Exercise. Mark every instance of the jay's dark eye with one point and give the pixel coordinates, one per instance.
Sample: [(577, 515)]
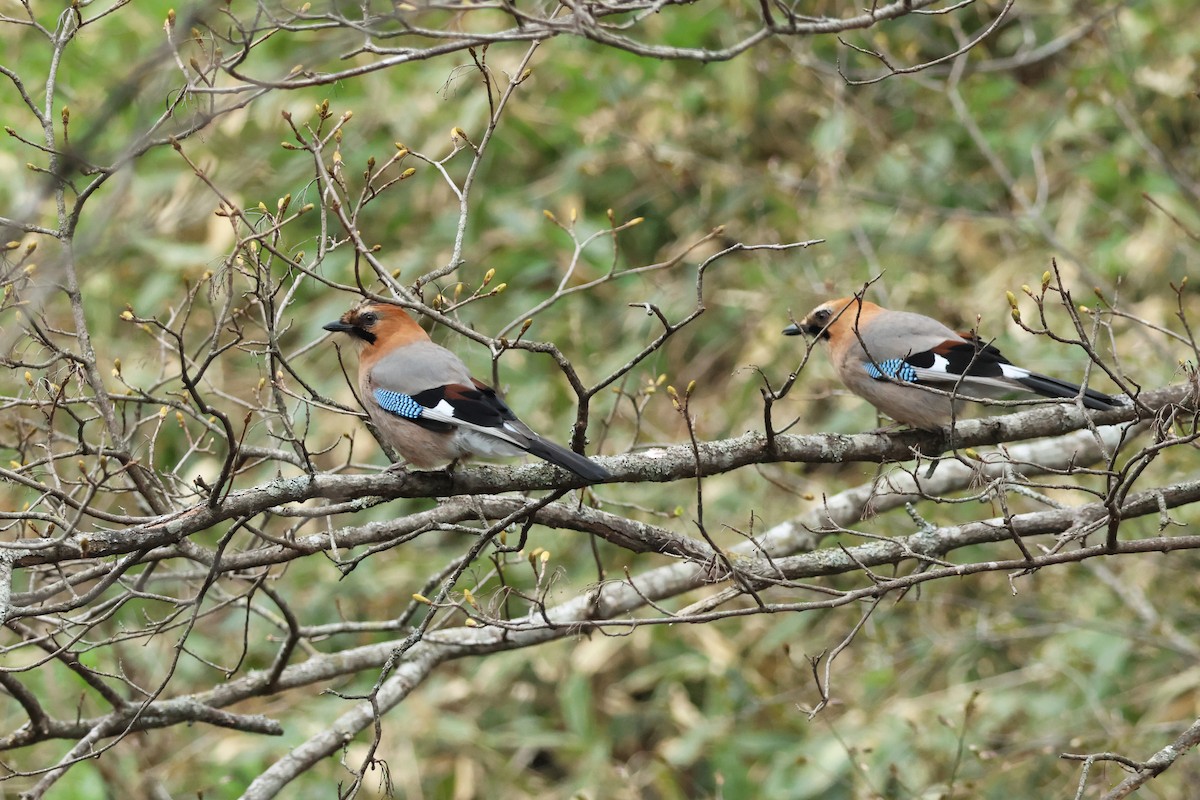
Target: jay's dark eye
[(821, 315), (368, 319)]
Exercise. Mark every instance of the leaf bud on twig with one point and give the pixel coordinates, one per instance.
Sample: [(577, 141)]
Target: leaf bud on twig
[(1012, 304)]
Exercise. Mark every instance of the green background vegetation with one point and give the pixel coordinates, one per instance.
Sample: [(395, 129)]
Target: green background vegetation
[(954, 188)]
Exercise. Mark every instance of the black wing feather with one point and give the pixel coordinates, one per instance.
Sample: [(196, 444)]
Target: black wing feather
[(480, 405), (971, 357), (477, 405)]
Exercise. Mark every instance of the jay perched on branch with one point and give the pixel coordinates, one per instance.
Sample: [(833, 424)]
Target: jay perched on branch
[(426, 404), (885, 356)]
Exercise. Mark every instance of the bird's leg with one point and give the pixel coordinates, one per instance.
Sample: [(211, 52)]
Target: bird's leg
[(935, 458), (397, 466), (933, 464)]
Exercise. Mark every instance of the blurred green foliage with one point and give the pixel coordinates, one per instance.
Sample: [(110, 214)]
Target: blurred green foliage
[(955, 187)]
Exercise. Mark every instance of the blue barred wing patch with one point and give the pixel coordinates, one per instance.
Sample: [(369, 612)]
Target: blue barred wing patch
[(399, 404), (894, 368)]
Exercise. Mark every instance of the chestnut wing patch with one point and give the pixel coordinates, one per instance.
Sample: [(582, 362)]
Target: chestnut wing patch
[(971, 357)]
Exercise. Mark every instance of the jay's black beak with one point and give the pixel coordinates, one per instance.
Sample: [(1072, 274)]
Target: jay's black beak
[(338, 327), (793, 330)]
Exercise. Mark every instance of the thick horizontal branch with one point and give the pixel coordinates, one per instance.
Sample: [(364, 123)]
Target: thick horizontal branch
[(628, 534), (586, 20), (1077, 449), (659, 465), (161, 714)]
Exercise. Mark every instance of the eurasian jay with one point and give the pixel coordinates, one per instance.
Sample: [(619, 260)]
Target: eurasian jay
[(425, 403), (883, 356)]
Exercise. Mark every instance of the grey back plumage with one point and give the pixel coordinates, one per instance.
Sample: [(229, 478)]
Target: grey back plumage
[(898, 334), (417, 367)]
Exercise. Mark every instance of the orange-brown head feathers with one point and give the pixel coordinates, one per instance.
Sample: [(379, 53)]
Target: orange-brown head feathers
[(835, 319), (378, 326)]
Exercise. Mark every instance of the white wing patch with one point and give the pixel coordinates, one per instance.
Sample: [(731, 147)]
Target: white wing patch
[(443, 408), (1013, 371), (442, 412)]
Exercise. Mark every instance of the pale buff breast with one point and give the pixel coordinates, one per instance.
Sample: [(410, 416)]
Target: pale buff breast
[(418, 446), (910, 405)]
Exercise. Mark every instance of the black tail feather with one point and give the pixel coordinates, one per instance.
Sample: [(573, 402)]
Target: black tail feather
[(1053, 387), (582, 466)]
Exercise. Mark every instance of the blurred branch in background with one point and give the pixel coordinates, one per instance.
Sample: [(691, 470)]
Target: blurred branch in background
[(576, 198)]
